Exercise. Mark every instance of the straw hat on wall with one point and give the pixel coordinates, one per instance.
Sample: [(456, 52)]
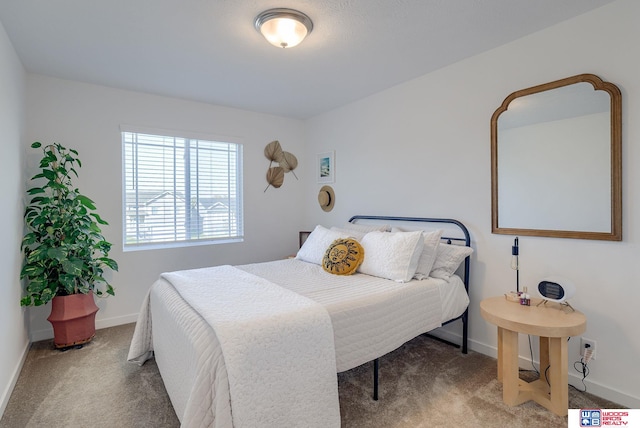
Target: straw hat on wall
[(326, 198)]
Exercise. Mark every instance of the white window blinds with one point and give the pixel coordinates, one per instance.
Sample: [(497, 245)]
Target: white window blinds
[(180, 191)]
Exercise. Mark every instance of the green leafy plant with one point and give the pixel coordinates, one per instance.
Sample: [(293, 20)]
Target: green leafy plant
[(64, 250)]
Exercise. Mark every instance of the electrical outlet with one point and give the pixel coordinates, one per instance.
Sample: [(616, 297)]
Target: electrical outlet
[(591, 344)]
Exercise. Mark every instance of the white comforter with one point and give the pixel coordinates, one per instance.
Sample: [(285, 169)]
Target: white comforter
[(277, 347), (370, 316)]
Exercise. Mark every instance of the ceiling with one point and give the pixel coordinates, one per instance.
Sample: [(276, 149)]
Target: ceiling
[(208, 50)]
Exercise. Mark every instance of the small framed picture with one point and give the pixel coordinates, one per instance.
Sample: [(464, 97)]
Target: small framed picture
[(326, 167)]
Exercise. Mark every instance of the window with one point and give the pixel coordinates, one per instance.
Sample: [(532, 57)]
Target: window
[(179, 191)]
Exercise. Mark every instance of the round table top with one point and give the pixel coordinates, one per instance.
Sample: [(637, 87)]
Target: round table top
[(550, 319)]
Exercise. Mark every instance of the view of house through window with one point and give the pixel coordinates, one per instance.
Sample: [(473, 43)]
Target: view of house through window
[(178, 191)]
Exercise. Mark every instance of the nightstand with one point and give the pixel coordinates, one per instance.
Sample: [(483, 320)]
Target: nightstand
[(302, 237), (554, 324)]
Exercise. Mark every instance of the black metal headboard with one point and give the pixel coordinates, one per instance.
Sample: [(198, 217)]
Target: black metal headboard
[(464, 238)]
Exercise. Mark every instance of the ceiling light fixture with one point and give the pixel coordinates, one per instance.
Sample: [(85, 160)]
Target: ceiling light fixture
[(284, 28)]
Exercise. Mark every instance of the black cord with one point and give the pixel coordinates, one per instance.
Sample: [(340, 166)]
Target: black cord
[(531, 351), (581, 367), (546, 375), (546, 370)]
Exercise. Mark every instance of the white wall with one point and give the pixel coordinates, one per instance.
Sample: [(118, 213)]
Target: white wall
[(13, 327), (423, 149), (88, 117)]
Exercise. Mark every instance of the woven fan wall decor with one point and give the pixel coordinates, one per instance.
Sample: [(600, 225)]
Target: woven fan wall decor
[(285, 162)]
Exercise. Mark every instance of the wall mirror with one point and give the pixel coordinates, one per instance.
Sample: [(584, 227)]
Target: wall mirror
[(556, 161)]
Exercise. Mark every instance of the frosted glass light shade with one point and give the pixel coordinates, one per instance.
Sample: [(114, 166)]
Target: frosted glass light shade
[(284, 28)]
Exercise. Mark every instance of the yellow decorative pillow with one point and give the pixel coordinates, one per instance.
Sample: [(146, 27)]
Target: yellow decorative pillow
[(343, 256)]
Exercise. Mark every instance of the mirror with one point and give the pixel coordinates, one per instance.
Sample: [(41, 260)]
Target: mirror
[(556, 161)]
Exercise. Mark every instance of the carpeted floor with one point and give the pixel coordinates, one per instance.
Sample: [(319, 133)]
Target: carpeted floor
[(425, 383)]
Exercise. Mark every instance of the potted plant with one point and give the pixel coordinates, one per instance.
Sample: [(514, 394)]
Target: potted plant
[(65, 253)]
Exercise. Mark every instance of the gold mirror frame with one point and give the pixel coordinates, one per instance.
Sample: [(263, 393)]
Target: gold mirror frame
[(615, 233)]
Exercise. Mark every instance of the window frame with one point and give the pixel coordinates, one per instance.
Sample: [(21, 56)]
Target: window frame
[(237, 208)]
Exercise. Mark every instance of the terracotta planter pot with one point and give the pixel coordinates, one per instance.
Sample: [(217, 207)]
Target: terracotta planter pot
[(73, 319)]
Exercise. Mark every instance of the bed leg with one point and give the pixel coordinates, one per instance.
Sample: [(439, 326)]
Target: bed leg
[(375, 379), (465, 330)]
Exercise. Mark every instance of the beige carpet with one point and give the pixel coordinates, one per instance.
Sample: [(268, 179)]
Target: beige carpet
[(423, 384)]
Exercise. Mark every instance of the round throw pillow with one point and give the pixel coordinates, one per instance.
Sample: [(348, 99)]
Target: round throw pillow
[(343, 256)]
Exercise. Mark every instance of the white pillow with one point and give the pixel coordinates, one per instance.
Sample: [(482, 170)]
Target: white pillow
[(448, 259), (391, 255), (429, 253), (366, 228), (356, 234), (314, 247)]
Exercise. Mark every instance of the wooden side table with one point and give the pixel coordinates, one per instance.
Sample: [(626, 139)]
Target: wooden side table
[(553, 323)]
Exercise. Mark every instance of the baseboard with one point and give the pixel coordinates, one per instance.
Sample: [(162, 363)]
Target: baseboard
[(47, 333), (604, 391), (112, 322), (594, 388), (6, 394), (448, 336)]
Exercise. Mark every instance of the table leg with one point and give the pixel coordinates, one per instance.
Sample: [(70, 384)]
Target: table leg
[(509, 357), (544, 356), (499, 354), (558, 375)]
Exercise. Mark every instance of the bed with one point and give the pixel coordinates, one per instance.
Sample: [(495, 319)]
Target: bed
[(331, 323)]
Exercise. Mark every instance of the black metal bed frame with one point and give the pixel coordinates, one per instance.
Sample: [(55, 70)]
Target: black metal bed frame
[(467, 242)]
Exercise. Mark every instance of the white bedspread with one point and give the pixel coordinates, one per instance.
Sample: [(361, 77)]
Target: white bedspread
[(370, 317), (277, 346)]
